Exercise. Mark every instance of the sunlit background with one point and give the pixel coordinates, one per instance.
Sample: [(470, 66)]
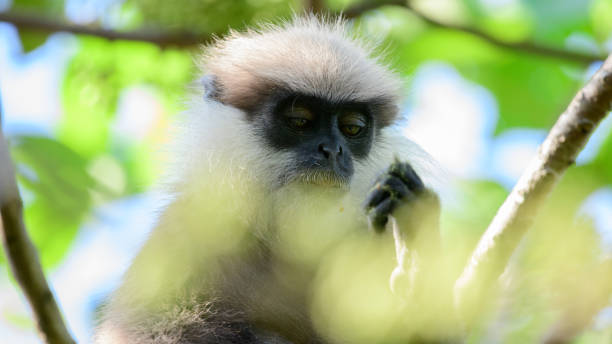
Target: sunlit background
[(86, 117)]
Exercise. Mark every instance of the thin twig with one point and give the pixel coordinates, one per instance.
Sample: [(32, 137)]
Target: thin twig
[(364, 6), (526, 47), (314, 6), (187, 39), (565, 140), (23, 256), (162, 39)]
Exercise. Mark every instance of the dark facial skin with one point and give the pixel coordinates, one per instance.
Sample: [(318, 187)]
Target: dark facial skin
[(326, 137)]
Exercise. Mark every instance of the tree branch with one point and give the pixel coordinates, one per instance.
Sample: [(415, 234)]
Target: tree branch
[(187, 39), (526, 47), (368, 5), (23, 257), (314, 6), (565, 140), (163, 39)]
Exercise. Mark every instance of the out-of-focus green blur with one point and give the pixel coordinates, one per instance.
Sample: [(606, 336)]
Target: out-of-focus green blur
[(102, 142)]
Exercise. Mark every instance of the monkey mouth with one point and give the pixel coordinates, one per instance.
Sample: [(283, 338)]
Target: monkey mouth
[(323, 178)]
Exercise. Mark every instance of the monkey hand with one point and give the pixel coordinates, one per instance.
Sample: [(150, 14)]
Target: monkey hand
[(400, 192), (400, 198)]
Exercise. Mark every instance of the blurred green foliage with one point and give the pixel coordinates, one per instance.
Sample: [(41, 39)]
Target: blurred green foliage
[(211, 15), (94, 80), (60, 184), (49, 7)]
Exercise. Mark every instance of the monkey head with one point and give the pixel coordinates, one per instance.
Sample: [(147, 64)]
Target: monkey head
[(309, 89)]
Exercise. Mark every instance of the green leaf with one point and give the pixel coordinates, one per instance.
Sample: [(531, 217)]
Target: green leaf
[(99, 72), (51, 229), (56, 166), (22, 321), (49, 7), (601, 18), (60, 186), (209, 16), (531, 91), (477, 203), (603, 160), (555, 20), (31, 40), (464, 220)]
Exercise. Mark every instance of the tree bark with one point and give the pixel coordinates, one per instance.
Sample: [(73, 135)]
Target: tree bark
[(23, 257), (162, 39), (565, 140)]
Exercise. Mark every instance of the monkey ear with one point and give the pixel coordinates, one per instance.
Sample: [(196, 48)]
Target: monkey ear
[(211, 87)]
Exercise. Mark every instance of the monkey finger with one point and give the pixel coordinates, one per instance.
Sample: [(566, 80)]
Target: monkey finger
[(379, 215), (390, 187), (397, 187), (408, 175), (378, 193)]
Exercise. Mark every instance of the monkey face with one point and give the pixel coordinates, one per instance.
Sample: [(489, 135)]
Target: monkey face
[(325, 137)]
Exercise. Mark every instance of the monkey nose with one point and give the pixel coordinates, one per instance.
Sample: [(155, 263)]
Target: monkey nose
[(330, 151)]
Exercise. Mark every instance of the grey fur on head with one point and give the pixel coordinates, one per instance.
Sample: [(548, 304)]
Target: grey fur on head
[(308, 55)]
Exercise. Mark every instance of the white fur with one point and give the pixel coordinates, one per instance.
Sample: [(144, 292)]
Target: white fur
[(307, 54), (213, 137), (222, 173)]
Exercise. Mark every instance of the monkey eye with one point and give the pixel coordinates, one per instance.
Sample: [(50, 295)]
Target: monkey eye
[(298, 122), (351, 130), (352, 124), (298, 117)]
